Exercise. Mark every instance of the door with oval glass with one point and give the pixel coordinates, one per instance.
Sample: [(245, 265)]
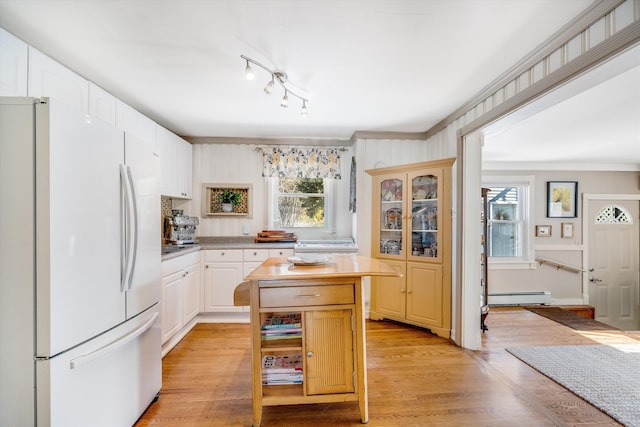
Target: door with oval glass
[(614, 259)]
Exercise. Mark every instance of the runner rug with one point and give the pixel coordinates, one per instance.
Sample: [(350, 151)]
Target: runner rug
[(569, 318), (606, 376)]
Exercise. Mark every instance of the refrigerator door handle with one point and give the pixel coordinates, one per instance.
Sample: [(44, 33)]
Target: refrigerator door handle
[(134, 208), (86, 358), (124, 228)]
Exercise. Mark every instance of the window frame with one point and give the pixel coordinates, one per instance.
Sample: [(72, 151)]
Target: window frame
[(329, 214), (526, 190)]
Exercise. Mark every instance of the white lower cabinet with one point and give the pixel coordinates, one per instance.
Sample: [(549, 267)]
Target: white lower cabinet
[(180, 293), (225, 269), (222, 273)]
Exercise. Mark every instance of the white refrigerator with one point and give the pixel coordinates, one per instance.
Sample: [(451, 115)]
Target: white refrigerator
[(79, 269)]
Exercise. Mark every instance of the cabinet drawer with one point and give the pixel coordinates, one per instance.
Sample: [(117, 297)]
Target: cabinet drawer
[(280, 252), (251, 255), (222, 255), (306, 295)]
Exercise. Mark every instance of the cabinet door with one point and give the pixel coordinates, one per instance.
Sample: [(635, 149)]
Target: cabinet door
[(389, 294), (220, 280), (425, 221), (191, 293), (50, 78), (135, 123), (387, 218), (13, 65), (171, 304), (102, 104), (424, 293), (329, 345), (176, 159), (186, 168)]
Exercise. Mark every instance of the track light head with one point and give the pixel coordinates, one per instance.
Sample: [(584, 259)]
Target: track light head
[(269, 87), (285, 100), (248, 72), (304, 112)]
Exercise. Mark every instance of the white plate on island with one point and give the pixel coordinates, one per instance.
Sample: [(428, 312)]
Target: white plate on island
[(309, 259)]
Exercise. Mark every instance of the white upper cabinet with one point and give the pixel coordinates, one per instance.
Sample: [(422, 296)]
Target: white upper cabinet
[(52, 79), (176, 163), (13, 65), (102, 104), (135, 123)]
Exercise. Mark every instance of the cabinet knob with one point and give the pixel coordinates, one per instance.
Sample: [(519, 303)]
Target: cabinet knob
[(222, 254), (310, 354), (255, 253)]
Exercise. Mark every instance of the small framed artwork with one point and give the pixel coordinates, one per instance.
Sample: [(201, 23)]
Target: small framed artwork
[(543, 231), (562, 199), (567, 230)]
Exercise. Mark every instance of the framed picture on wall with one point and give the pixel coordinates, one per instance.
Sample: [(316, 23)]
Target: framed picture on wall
[(543, 231), (567, 230), (562, 199)]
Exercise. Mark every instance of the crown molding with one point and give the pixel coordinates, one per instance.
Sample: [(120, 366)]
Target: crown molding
[(365, 134), (266, 141), (552, 166)]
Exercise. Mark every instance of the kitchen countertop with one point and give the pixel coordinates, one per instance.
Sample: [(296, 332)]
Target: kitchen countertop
[(223, 242)]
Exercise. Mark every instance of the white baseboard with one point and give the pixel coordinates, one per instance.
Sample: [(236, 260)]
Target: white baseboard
[(230, 317), (166, 347), (567, 301)]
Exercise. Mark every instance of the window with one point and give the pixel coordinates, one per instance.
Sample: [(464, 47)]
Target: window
[(509, 238), (300, 203)]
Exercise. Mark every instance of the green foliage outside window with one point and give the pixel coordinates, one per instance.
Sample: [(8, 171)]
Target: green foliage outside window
[(301, 202)]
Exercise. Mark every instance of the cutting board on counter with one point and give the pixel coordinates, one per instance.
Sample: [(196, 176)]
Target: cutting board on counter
[(275, 236)]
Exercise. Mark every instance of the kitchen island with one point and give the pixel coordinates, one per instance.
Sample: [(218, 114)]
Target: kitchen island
[(307, 331)]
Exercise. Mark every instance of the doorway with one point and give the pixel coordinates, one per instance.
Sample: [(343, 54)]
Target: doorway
[(611, 227)]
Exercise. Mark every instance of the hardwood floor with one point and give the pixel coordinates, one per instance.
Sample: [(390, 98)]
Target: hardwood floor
[(415, 379)]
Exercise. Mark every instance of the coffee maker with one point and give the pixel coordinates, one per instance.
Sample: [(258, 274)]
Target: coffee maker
[(180, 229)]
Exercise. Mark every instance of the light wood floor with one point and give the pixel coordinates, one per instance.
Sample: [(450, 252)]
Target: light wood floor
[(415, 379)]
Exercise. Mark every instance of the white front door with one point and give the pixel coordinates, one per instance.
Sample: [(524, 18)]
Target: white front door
[(614, 288)]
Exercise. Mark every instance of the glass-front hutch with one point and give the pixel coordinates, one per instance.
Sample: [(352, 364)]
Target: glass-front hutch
[(411, 230)]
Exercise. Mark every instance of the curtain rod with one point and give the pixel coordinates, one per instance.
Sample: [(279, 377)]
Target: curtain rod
[(262, 147)]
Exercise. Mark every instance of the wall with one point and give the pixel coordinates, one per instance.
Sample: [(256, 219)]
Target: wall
[(565, 286), (242, 164)]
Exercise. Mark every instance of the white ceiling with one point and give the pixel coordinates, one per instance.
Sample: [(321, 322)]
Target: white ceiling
[(593, 121), (374, 65)]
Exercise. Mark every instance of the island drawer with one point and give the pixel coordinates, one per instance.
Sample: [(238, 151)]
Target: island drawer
[(300, 296)]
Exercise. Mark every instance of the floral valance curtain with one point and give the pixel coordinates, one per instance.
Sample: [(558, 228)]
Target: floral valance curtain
[(305, 162)]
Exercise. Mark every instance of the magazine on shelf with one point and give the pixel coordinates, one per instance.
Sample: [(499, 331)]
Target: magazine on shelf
[(282, 369), (289, 362), (287, 320)]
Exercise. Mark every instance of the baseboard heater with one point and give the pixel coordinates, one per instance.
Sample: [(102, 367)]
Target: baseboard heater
[(520, 298)]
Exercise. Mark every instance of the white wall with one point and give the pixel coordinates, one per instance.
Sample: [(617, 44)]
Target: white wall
[(242, 164), (565, 286)]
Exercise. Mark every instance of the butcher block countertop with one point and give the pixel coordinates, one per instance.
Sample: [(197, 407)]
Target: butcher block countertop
[(279, 268)]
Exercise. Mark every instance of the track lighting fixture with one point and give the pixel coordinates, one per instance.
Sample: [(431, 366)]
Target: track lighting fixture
[(281, 78)]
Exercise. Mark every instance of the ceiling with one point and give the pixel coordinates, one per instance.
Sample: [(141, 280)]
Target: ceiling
[(364, 65)]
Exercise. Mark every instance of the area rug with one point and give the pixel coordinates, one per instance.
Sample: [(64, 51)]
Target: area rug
[(570, 319), (606, 376)]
